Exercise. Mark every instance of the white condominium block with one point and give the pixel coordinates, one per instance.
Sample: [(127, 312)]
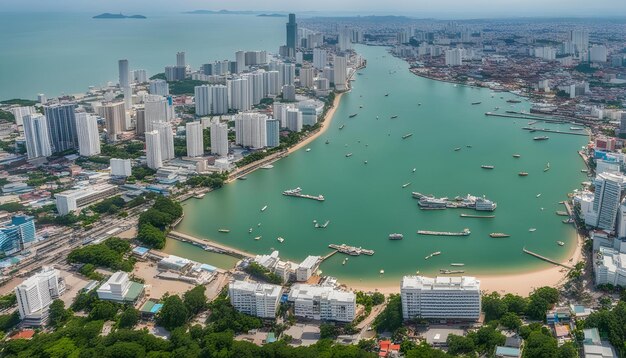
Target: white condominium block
[(255, 299), (440, 297)]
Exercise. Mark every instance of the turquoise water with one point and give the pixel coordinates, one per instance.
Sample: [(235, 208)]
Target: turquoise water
[(66, 53), (366, 203)]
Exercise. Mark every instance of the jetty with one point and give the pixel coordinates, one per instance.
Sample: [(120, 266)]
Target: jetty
[(524, 116), (209, 245), (297, 192), (532, 129), (351, 250), (478, 216), (546, 259), (465, 232)]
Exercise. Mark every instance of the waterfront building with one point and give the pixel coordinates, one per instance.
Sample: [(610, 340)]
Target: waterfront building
[(239, 98), (440, 297), (153, 150), (72, 200), (156, 110), (120, 289), (20, 112), (292, 35), (251, 130), (140, 76), (306, 268), (322, 84), (159, 87), (256, 58), (320, 58), (273, 132), (322, 303), (175, 73), (344, 39), (120, 167), (124, 73), (17, 235), (240, 59), (256, 299), (293, 119), (340, 76), (61, 121), (37, 136), (35, 295), (257, 87), (598, 53), (114, 119), (309, 112), (166, 139), (454, 57), (219, 138), (306, 77), (606, 200), (289, 93), (195, 139), (610, 267), (88, 136), (279, 111)]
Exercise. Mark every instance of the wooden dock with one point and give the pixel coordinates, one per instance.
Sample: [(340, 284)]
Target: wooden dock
[(208, 244), (546, 259)]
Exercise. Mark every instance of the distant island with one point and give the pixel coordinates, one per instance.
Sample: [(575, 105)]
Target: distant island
[(107, 15), (221, 12), (272, 15)]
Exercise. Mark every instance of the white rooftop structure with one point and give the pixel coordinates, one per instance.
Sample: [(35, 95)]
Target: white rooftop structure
[(323, 302), (255, 299), (440, 297), (306, 268), (610, 267)]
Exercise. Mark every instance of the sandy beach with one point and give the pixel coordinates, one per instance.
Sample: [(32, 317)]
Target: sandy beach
[(324, 125), (521, 284)]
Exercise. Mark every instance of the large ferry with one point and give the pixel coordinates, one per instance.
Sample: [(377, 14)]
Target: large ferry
[(430, 203), (541, 138), (297, 192)]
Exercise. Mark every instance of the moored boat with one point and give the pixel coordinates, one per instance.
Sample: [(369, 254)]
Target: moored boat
[(541, 138), (396, 236), (498, 234), (560, 243), (394, 117), (405, 185), (436, 253), (223, 230), (258, 238), (348, 155), (487, 166), (264, 208), (522, 174), (516, 155), (352, 115)]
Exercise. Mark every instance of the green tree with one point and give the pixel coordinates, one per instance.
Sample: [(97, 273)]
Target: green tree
[(57, 314), (129, 318), (103, 310), (568, 350), (63, 348), (195, 300), (460, 345), (328, 331), (390, 318), (493, 306), (368, 345), (125, 350), (173, 314), (511, 321), (540, 345), (516, 304), (151, 236)]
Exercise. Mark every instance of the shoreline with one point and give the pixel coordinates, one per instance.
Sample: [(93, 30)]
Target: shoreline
[(324, 125)]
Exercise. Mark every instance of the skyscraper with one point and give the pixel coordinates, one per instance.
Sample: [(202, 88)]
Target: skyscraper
[(61, 126), (180, 59), (292, 35), (340, 76), (35, 295), (240, 59), (159, 87), (320, 58), (124, 73), (294, 120), (120, 167), (580, 39), (239, 94), (306, 77), (251, 130), (219, 138), (287, 73), (273, 131), (272, 83), (454, 57), (88, 137), (153, 150), (344, 39), (156, 111), (195, 139), (608, 188), (211, 99), (114, 119), (37, 136), (20, 112), (18, 235), (309, 112), (166, 137)]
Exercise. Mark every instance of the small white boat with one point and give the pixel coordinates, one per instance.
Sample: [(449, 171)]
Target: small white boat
[(365, 162), (250, 230), (268, 166), (263, 208), (414, 169), (457, 264), (405, 185), (382, 272), (343, 262), (538, 195), (308, 149), (258, 238), (560, 243), (532, 229), (280, 239), (259, 224)]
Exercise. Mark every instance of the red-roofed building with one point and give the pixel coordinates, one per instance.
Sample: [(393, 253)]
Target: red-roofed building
[(388, 349), (24, 334)]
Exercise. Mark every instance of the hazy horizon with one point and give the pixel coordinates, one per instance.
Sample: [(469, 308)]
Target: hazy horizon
[(442, 9)]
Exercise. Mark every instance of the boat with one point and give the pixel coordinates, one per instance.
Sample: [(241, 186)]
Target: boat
[(498, 234), (199, 196), (376, 117), (407, 135), (297, 192), (419, 104), (341, 126), (584, 171), (469, 146), (457, 149), (322, 226), (386, 94), (250, 230), (352, 115), (478, 216), (465, 232), (258, 238), (450, 272), (268, 166), (487, 166), (522, 174), (396, 236), (541, 138), (475, 103), (365, 162), (516, 155), (568, 221), (405, 185), (560, 243), (344, 261), (280, 239), (394, 117), (226, 231), (532, 229), (264, 208), (348, 155), (562, 213), (382, 272), (547, 167), (513, 101), (414, 169), (576, 128), (361, 106), (538, 195), (431, 203), (259, 224), (308, 149), (457, 264), (436, 253), (327, 141), (242, 178)]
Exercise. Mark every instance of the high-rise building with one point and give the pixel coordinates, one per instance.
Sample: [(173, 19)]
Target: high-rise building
[(159, 87), (239, 89), (255, 299), (140, 76), (273, 132), (294, 120), (180, 59), (289, 93), (240, 59), (309, 112), (251, 130), (344, 39), (18, 235), (580, 39), (195, 139), (153, 150), (287, 73), (156, 110), (454, 57), (124, 73), (272, 83), (20, 112), (322, 303), (114, 119), (37, 136), (61, 126), (166, 137), (257, 87), (175, 73), (320, 58), (88, 136), (292, 35), (35, 295), (306, 77), (340, 76), (219, 138), (120, 167), (598, 53), (608, 189), (128, 102), (140, 121), (454, 298)]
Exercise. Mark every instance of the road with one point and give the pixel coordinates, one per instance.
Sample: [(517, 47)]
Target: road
[(367, 322)]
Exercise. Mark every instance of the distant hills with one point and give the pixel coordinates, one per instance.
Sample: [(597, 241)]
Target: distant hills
[(107, 15), (272, 15), (233, 12)]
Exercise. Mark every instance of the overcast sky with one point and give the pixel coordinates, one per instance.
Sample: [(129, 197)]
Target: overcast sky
[(423, 8)]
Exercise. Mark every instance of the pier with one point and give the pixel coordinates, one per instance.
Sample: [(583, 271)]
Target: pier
[(208, 245), (525, 116), (531, 129), (546, 259), (351, 250)]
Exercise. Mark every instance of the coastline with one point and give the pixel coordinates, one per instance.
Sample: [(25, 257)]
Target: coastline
[(324, 125)]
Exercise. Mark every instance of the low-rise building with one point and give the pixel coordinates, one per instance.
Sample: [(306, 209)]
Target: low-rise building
[(455, 298), (255, 299), (594, 347), (72, 200), (322, 303), (306, 268), (610, 267), (119, 288)]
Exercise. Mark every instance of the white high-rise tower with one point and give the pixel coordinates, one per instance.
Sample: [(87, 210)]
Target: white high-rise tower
[(88, 137), (153, 150), (195, 140), (37, 137)]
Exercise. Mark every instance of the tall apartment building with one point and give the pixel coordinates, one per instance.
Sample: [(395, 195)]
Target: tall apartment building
[(306, 77), (114, 119), (580, 39), (340, 74), (239, 90), (309, 112), (124, 73), (159, 87), (61, 122), (20, 112), (195, 139), (287, 73), (454, 57), (156, 110), (120, 167), (255, 299), (294, 120), (88, 136), (219, 138), (440, 297), (251, 130), (37, 136), (35, 295), (273, 132), (322, 303), (166, 137), (320, 58), (18, 235), (606, 200), (153, 150)]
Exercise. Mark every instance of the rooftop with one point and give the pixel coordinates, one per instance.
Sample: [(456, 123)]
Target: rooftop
[(464, 283)]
